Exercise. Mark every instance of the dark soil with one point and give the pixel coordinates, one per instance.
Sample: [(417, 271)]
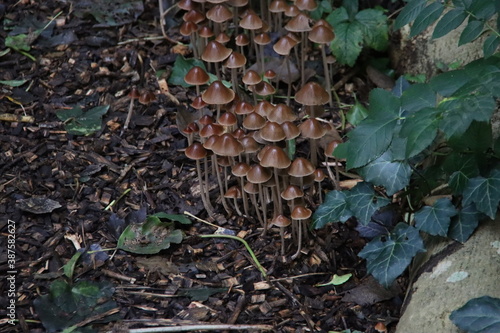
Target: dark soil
[(91, 66)]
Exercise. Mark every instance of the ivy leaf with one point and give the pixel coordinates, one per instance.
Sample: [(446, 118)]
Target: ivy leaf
[(479, 315), (420, 128), (426, 17), (464, 223), (388, 256), (375, 28), (435, 219), (364, 203), (334, 209), (484, 193), (348, 42), (473, 30), (83, 123), (370, 140), (463, 167), (449, 22), (392, 175), (409, 12)]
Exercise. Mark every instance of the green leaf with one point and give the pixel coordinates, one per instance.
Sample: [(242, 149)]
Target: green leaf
[(462, 168), (69, 268), (409, 13), (67, 305), (13, 83), (484, 193), (435, 219), (458, 113), (334, 209), (383, 102), (418, 96), (490, 45), (464, 223), (448, 83), (449, 22), (375, 28), (348, 42), (471, 32), (82, 123), (426, 17), (364, 203), (173, 217), (370, 140), (19, 42), (477, 139), (149, 237), (420, 128), (357, 113), (388, 256), (338, 16), (479, 315), (392, 175), (336, 280), (180, 69), (482, 9)]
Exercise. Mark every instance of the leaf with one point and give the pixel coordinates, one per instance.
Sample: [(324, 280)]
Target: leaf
[(334, 209), (420, 128), (448, 83), (149, 237), (173, 217), (338, 16), (417, 97), (426, 17), (69, 267), (13, 83), (82, 123), (364, 203), (336, 280), (19, 42), (409, 12), (458, 113), (463, 167), (388, 256), (482, 9), (67, 305), (435, 219), (357, 113), (181, 68), (477, 139), (490, 45), (471, 32), (348, 42), (479, 315), (464, 223), (370, 140), (484, 193), (383, 102), (449, 22), (375, 28), (392, 175)]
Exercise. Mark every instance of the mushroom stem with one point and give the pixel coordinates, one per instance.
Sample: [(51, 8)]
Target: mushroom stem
[(303, 57), (282, 236), (277, 180), (313, 144), (289, 92), (263, 199), (257, 211), (299, 241), (327, 76), (244, 196), (203, 193), (221, 187)]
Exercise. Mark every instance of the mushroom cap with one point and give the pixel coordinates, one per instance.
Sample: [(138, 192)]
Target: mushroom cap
[(215, 52), (193, 16), (227, 145), (262, 39), (299, 23), (233, 192), (281, 113), (217, 93), (235, 60), (292, 192), (251, 77), (253, 121), (249, 144), (209, 143), (301, 213), (272, 132), (291, 130), (206, 119), (301, 167), (196, 76), (275, 157), (243, 108), (198, 103), (251, 21), (292, 11), (187, 28), (227, 119), (284, 45), (264, 108), (308, 5), (185, 4), (312, 94), (223, 38), (219, 13), (270, 74), (191, 128), (134, 93), (330, 147), (211, 129), (238, 133), (263, 88), (147, 97), (312, 129), (240, 169), (205, 32), (251, 188), (238, 3), (321, 34), (196, 151), (257, 174), (281, 221), (277, 6), (242, 40), (319, 175), (323, 22)]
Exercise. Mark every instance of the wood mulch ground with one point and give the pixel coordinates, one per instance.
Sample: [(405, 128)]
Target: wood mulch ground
[(84, 174)]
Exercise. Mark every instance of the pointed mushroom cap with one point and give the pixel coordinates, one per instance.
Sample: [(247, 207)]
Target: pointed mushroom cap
[(205, 32), (319, 175), (312, 94), (281, 113), (299, 23), (330, 147), (193, 16), (147, 97), (321, 34), (292, 11), (272, 132), (134, 93), (301, 167), (227, 145), (262, 39), (284, 45), (301, 213), (185, 4), (217, 93), (257, 174), (235, 60), (281, 221), (242, 40), (233, 192), (243, 108), (264, 108), (240, 169), (215, 52), (291, 130), (196, 76), (277, 6), (251, 21), (198, 103), (263, 88), (251, 188), (312, 129), (211, 129), (251, 77), (249, 144), (292, 192), (275, 157), (223, 38), (219, 13), (227, 119), (196, 151), (307, 5), (253, 121), (187, 28)]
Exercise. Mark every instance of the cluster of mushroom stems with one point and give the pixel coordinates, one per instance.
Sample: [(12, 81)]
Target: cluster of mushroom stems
[(248, 144)]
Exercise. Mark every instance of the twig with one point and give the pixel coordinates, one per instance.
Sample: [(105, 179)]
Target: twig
[(205, 327)]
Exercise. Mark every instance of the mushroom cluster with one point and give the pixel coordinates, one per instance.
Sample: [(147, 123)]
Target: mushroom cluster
[(248, 145)]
